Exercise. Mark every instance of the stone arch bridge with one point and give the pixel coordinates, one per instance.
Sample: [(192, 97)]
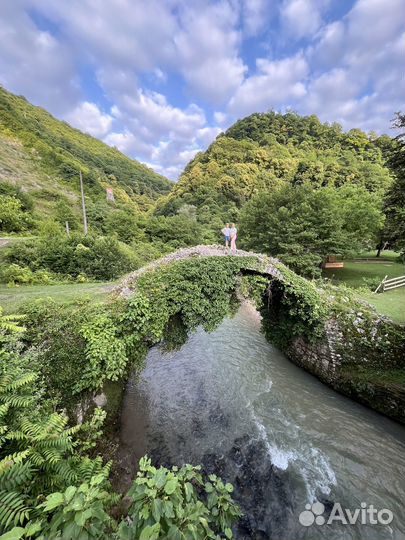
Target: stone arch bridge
[(326, 331)]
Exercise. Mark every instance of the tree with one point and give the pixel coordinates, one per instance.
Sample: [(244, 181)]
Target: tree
[(363, 219), (178, 231), (262, 151), (303, 226), (394, 204), (124, 224), (297, 224)]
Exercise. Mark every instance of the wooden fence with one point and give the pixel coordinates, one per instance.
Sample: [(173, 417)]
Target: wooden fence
[(388, 284)]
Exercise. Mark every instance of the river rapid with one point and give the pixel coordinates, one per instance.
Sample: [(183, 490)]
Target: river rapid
[(232, 402)]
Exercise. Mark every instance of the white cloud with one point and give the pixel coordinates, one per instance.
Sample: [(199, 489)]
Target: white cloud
[(349, 70), (164, 136), (207, 134), (207, 50), (150, 113), (198, 39), (33, 62), (363, 86), (88, 118), (128, 34), (220, 118), (276, 83), (129, 144), (256, 15), (302, 18)]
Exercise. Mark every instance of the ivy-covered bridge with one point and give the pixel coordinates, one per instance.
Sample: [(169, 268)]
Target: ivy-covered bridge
[(337, 338), (257, 262)]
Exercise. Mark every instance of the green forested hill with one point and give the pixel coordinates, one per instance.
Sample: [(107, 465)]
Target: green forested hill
[(42, 156), (264, 151)]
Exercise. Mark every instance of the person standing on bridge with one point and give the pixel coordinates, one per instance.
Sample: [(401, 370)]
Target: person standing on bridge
[(226, 232), (233, 232)]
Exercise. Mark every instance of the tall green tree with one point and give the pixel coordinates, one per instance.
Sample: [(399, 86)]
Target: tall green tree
[(302, 226), (394, 204)]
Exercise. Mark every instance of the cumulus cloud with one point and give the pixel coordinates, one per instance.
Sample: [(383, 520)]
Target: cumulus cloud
[(276, 83), (33, 62), (151, 114), (88, 118), (207, 134), (172, 74), (159, 133), (302, 18), (124, 33), (207, 50), (363, 81), (256, 15)]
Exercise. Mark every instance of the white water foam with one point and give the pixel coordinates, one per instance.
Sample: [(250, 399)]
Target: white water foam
[(311, 464)]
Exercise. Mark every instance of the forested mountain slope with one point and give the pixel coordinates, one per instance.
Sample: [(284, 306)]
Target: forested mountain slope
[(41, 156), (263, 151)]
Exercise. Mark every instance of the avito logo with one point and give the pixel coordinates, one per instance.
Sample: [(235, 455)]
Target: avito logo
[(365, 515)]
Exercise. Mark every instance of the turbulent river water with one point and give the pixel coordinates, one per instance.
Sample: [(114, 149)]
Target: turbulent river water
[(232, 402)]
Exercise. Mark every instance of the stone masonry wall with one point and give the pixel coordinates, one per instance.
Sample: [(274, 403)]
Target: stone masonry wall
[(326, 359)]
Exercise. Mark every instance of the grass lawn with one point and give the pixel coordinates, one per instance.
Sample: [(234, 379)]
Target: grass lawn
[(386, 254), (353, 272), (11, 298), (390, 303)]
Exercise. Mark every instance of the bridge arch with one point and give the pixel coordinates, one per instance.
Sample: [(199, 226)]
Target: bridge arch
[(338, 339)]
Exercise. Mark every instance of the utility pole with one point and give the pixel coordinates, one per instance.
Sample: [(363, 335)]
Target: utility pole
[(83, 204)]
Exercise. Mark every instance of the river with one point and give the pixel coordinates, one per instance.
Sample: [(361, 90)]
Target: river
[(232, 402)]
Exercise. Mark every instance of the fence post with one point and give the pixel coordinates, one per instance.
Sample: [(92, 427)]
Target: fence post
[(381, 285)]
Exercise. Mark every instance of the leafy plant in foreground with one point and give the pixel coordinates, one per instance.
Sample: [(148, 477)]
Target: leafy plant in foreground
[(178, 504)]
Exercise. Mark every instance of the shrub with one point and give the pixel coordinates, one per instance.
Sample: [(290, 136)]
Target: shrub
[(178, 231), (123, 224), (12, 216), (371, 283), (145, 252), (27, 203), (178, 503), (97, 257), (15, 274)]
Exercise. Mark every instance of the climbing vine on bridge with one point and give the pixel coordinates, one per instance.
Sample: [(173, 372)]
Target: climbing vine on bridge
[(295, 307), (91, 344)]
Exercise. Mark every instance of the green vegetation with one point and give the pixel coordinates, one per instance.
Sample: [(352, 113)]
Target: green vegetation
[(53, 482), (394, 203), (300, 190), (263, 151), (12, 216), (390, 303), (53, 486), (62, 151), (158, 495), (40, 190), (272, 172), (354, 272), (365, 276), (303, 226), (13, 298), (95, 257)]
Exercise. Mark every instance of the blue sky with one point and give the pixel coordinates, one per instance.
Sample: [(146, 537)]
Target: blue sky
[(159, 79)]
